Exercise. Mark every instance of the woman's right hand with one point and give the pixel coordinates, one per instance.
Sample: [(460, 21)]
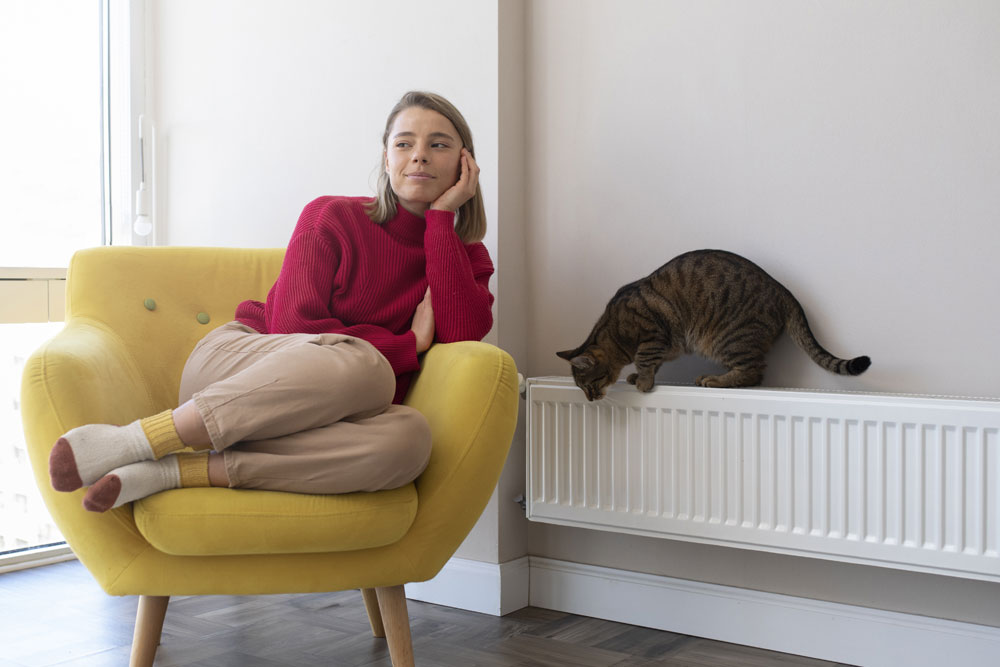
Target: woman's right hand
[(423, 323), (464, 188)]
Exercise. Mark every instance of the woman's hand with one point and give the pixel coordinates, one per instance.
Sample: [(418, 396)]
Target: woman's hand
[(423, 323), (452, 198)]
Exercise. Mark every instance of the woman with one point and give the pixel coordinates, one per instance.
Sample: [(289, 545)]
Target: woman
[(301, 392)]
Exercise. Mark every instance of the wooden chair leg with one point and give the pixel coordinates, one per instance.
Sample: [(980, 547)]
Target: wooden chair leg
[(148, 626), (392, 604), (374, 615)]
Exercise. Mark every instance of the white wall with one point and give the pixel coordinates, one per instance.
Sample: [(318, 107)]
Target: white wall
[(260, 106), (850, 148), (513, 286)]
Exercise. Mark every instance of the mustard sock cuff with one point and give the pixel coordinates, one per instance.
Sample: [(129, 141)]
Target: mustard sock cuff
[(194, 470), (161, 433)]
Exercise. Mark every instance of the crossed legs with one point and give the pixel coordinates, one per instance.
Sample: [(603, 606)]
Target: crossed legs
[(297, 412)]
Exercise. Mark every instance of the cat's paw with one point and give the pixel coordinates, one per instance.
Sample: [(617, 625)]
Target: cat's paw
[(710, 381), (732, 379), (632, 378), (644, 384)]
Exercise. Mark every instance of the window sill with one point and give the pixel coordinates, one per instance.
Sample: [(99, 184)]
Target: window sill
[(27, 558)]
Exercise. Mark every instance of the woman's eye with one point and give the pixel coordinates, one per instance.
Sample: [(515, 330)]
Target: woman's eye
[(439, 145), (402, 144)]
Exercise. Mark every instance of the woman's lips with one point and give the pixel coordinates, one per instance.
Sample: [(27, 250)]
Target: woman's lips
[(420, 176)]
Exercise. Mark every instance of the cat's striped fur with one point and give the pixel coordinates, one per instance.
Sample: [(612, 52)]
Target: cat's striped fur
[(708, 302)]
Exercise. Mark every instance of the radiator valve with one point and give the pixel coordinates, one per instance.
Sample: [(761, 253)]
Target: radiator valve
[(521, 501)]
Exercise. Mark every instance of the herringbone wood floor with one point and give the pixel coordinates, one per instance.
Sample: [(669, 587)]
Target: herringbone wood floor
[(57, 615)]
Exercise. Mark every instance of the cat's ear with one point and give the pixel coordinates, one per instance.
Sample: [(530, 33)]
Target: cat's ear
[(583, 362), (575, 352), (579, 359)]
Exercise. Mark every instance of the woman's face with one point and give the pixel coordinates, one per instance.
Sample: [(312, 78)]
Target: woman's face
[(422, 157)]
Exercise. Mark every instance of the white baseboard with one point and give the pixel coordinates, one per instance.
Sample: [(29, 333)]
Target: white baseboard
[(800, 626), (487, 588), (824, 630)]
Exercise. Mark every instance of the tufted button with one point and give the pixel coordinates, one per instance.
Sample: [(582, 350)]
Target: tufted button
[(150, 304), (203, 318)]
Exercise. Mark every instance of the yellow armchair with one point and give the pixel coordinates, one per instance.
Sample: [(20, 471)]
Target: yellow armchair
[(133, 316)]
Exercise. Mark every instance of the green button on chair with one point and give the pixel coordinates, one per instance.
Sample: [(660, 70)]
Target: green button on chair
[(133, 315)]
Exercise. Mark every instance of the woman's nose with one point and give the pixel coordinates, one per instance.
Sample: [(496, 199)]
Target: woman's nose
[(420, 154)]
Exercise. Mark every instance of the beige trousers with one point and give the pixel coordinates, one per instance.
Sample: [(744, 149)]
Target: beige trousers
[(309, 413)]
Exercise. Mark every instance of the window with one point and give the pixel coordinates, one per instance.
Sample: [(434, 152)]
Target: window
[(51, 130), (56, 58), (24, 520)]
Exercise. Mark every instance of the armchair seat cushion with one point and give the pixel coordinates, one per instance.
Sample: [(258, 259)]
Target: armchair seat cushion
[(226, 522)]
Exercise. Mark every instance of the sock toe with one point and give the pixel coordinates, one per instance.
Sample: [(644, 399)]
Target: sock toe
[(63, 472), (102, 495)]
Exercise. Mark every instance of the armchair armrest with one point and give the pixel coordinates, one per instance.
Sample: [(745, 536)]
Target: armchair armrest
[(83, 375), (468, 393)]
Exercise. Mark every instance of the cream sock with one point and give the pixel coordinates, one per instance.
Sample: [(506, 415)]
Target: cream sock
[(83, 455), (138, 480)]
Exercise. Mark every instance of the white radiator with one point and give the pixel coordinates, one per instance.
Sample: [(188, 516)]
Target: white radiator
[(907, 482)]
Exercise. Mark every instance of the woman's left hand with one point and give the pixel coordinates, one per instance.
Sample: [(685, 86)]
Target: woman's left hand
[(423, 323), (452, 198)]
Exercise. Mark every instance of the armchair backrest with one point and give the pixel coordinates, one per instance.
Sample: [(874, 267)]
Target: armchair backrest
[(160, 313)]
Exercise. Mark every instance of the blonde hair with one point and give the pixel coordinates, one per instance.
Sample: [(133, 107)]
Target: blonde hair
[(471, 216)]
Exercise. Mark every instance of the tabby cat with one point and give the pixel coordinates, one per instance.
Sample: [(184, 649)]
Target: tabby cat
[(710, 302)]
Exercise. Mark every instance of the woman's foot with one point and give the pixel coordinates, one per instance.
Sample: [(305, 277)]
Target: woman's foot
[(85, 454), (138, 480)]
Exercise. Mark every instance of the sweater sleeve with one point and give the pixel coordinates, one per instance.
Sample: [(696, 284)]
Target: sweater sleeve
[(299, 301), (458, 276)]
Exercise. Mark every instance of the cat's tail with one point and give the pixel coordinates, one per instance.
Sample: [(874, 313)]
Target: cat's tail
[(798, 329)]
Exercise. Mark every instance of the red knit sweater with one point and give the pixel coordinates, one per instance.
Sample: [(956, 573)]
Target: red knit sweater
[(342, 273)]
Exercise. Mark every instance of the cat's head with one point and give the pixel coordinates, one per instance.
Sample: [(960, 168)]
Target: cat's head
[(591, 371)]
